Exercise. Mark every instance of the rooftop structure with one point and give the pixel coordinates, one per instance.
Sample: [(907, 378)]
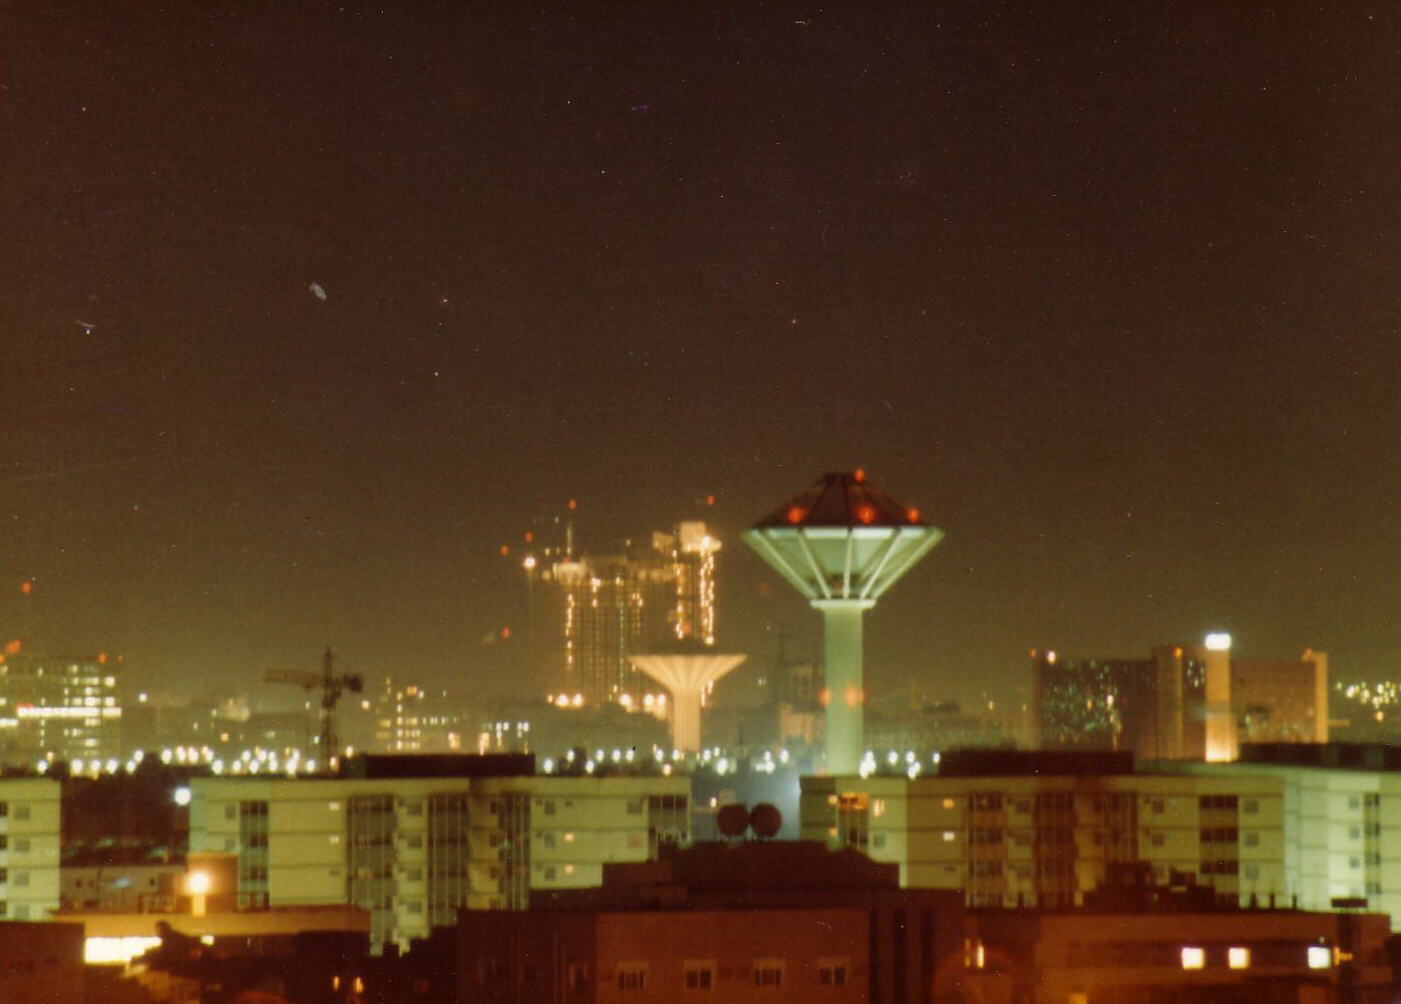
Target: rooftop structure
[(842, 544), (688, 672)]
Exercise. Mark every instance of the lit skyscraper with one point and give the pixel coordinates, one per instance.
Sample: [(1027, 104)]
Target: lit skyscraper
[(588, 613)]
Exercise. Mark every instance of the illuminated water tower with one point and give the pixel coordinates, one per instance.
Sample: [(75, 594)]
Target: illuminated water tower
[(688, 670), (842, 544)]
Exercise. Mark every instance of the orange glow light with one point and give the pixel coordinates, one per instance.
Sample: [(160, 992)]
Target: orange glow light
[(11, 647), (573, 503), (913, 515), (505, 549), (866, 514), (710, 500), (26, 587), (824, 697), (529, 536), (859, 475), (102, 658), (796, 514), (505, 633)]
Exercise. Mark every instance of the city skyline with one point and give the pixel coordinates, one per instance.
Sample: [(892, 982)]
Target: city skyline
[(305, 313)]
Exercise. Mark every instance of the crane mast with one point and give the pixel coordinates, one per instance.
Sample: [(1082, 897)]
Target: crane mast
[(332, 686)]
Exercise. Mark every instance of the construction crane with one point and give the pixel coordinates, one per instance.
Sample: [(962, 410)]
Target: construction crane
[(331, 687)]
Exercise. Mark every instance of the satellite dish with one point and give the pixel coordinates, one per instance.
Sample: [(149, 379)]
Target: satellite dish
[(733, 820), (765, 820)]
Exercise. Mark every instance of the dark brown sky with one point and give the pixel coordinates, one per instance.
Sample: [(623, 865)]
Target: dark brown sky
[(1111, 294)]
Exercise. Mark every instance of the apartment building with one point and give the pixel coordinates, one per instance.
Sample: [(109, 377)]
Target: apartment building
[(413, 850), (1043, 829), (30, 831)]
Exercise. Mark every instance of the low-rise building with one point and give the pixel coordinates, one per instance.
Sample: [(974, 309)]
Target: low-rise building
[(1183, 955), (760, 922)]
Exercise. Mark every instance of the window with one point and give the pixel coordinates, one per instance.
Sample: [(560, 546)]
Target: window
[(831, 973), (1354, 802), (632, 976), (577, 978), (230, 811), (414, 808), (1193, 957), (4, 809), (21, 812), (768, 972), (20, 879), (698, 974), (4, 841), (1237, 957), (1320, 957), (22, 845), (1250, 805), (1251, 839), (549, 808)]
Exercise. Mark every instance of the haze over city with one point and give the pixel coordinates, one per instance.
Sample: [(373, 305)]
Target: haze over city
[(305, 313)]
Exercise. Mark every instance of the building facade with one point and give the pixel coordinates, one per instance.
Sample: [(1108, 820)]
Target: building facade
[(415, 850), (1037, 830), (59, 708), (736, 923), (30, 841)]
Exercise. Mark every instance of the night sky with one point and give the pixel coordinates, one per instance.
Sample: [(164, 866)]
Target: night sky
[(1111, 292)]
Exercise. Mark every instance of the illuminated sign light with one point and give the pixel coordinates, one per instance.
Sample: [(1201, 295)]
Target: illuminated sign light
[(109, 951), (1218, 641)]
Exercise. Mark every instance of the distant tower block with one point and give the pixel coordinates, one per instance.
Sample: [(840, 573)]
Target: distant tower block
[(687, 670), (842, 543)]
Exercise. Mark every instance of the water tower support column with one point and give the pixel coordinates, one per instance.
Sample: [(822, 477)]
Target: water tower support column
[(846, 688)]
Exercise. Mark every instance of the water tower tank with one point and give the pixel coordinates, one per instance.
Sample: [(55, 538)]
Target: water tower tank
[(842, 544)]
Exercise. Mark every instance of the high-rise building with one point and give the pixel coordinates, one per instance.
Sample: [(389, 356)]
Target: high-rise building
[(1181, 702), (59, 708), (588, 613)]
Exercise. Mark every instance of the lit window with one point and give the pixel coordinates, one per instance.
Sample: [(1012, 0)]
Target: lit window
[(1193, 957), (632, 976), (699, 975), (949, 835), (768, 972), (1320, 956), (1238, 958), (948, 803)]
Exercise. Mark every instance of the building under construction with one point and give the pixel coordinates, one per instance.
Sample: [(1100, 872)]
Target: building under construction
[(589, 612)]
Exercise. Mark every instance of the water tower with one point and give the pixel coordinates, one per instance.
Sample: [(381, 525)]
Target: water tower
[(687, 669), (842, 544)]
